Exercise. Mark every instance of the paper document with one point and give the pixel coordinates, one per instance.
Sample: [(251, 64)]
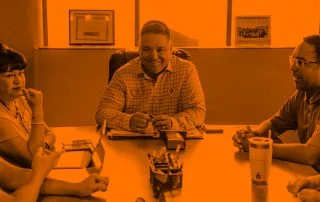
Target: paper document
[(74, 159), (116, 133)]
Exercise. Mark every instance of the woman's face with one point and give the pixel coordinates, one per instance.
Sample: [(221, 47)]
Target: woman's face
[(11, 84)]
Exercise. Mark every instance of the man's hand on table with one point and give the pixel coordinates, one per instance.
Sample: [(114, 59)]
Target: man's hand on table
[(162, 122), (306, 189), (309, 195), (241, 138), (92, 184), (139, 122), (296, 186)]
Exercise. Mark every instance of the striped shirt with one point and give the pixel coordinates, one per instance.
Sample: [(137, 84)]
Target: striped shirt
[(177, 93), (21, 123), (301, 114)]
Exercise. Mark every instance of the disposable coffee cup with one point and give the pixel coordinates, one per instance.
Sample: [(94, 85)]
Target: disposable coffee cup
[(260, 155)]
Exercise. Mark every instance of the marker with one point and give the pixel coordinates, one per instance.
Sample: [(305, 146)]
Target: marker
[(104, 125), (177, 151), (214, 130), (151, 117), (269, 133)]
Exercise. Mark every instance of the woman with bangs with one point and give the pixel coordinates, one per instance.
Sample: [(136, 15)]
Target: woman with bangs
[(22, 126)]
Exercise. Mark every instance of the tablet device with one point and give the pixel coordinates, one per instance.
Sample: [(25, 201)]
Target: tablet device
[(74, 159), (80, 155)]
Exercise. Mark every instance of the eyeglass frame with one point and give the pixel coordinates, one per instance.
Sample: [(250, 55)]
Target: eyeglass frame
[(292, 60)]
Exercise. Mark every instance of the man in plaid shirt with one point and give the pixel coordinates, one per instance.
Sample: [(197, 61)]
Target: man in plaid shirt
[(156, 87)]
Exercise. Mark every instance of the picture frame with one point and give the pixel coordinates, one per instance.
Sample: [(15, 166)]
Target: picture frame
[(91, 27), (253, 31)]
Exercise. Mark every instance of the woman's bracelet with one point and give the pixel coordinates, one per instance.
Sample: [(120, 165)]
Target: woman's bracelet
[(38, 123)]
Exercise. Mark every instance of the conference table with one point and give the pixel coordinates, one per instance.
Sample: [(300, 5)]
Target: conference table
[(213, 169)]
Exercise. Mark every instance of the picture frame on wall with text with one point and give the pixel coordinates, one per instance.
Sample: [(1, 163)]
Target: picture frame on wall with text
[(253, 30), (91, 27)]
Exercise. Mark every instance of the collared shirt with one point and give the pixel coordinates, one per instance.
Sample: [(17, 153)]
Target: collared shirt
[(177, 93), (301, 114)]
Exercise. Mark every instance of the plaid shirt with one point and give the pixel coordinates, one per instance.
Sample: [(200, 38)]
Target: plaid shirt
[(177, 93)]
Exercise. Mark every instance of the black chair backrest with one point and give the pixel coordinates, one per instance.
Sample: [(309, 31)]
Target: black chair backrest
[(122, 56)]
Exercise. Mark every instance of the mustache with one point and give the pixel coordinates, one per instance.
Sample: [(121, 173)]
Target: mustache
[(150, 60), (296, 76)]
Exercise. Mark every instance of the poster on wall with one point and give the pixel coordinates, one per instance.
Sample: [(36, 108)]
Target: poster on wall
[(91, 27), (253, 31)]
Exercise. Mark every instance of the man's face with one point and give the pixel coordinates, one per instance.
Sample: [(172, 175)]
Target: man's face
[(155, 52), (305, 72)]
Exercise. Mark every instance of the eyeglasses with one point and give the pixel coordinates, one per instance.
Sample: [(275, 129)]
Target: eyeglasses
[(299, 62)]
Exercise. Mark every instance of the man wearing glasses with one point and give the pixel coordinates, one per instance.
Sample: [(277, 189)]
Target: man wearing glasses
[(301, 111)]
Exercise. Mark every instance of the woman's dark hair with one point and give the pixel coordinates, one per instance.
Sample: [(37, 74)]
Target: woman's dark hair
[(315, 41), (11, 59)]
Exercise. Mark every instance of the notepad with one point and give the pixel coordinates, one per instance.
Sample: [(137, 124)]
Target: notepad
[(74, 159), (116, 133)]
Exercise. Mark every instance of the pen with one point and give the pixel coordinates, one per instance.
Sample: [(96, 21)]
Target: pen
[(104, 125), (151, 117), (177, 150), (214, 130), (269, 134)]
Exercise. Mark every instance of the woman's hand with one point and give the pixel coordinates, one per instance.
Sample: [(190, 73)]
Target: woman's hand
[(34, 97), (43, 161), (49, 139), (35, 101)]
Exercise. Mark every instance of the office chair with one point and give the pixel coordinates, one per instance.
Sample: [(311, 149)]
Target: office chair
[(122, 56)]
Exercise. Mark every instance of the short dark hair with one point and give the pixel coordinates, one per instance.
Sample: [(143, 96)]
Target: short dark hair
[(315, 41), (11, 59), (157, 27)]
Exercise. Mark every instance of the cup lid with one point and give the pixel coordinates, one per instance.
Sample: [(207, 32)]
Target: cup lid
[(260, 140)]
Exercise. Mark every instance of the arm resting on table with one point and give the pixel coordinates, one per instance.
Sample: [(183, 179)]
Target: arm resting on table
[(299, 153), (13, 177)]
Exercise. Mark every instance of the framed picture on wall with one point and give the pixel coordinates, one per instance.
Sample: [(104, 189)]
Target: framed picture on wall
[(253, 30), (91, 27)]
